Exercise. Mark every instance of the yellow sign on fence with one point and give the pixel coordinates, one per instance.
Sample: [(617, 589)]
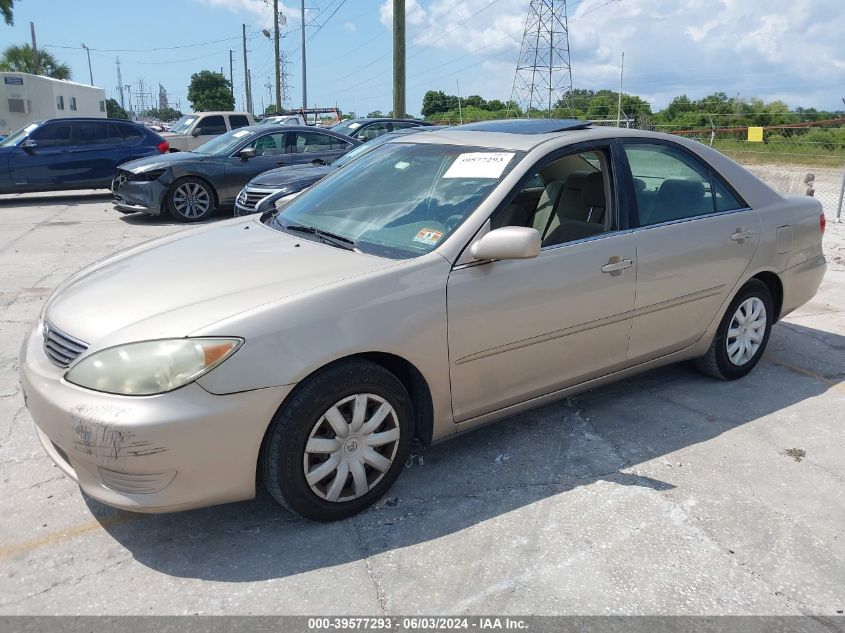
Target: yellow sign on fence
[(755, 134)]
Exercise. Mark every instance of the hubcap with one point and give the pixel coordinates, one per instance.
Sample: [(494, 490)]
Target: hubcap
[(351, 447), (745, 334), (191, 200)]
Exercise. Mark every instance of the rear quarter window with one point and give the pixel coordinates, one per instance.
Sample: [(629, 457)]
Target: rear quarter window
[(238, 120)]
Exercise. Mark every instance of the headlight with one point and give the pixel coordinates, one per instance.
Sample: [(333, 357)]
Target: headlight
[(151, 367), (147, 176)]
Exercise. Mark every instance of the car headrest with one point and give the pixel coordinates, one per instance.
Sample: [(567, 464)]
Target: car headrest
[(592, 193), (576, 179), (639, 185), (676, 189)]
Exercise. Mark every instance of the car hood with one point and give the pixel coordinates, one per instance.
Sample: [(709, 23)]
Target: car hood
[(162, 161), (285, 176), (179, 284)]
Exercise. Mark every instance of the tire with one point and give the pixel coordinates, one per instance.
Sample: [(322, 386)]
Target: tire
[(724, 360), (190, 200), (306, 421)]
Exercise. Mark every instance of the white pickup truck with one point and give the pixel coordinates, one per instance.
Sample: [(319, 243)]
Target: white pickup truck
[(284, 119), (193, 130)]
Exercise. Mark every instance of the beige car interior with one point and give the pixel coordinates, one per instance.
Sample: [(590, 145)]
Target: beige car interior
[(566, 200)]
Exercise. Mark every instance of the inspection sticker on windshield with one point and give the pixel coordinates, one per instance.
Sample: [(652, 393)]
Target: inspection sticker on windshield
[(479, 165), (430, 237)]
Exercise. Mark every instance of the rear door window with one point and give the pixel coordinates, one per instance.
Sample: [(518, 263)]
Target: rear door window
[(309, 142), (90, 134), (130, 132), (238, 120)]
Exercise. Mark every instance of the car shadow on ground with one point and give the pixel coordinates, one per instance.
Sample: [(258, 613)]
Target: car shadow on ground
[(600, 435), (62, 199), (145, 219)]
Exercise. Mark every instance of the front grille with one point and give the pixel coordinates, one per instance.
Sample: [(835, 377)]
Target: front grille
[(249, 197), (61, 348)]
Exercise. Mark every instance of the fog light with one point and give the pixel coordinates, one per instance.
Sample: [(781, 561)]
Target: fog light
[(135, 483)]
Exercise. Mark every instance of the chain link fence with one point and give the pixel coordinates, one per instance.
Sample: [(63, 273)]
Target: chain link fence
[(793, 159)]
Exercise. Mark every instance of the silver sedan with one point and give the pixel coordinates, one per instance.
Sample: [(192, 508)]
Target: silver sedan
[(440, 283)]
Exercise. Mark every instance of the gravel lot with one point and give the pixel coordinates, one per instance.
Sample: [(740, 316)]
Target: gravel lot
[(668, 493)]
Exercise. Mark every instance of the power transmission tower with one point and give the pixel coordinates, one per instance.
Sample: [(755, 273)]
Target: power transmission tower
[(543, 72), (120, 83)]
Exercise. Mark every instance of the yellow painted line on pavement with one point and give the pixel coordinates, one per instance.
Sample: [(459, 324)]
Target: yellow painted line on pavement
[(7, 551), (834, 384)]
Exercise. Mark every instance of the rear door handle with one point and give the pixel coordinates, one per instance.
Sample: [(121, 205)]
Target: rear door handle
[(616, 264), (742, 234)]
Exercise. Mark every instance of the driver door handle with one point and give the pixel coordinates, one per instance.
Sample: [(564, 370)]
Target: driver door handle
[(615, 264)]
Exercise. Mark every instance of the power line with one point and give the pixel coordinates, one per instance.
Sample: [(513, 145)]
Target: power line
[(148, 50)]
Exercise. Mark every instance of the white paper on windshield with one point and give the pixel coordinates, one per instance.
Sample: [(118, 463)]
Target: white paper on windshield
[(240, 133), (479, 165)]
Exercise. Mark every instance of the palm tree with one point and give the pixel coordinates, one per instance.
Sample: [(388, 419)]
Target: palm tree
[(19, 59)]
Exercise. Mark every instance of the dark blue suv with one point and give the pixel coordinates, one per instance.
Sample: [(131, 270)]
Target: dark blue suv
[(59, 154)]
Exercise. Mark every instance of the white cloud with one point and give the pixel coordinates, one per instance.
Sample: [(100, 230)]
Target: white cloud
[(349, 26), (779, 47)]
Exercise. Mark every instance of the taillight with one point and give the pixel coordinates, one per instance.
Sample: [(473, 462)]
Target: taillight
[(822, 222), (163, 147)]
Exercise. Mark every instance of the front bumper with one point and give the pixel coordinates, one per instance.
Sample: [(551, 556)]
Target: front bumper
[(180, 450), (132, 196)]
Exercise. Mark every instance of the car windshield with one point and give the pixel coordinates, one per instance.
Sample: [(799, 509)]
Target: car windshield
[(346, 127), (22, 133), (401, 201), (362, 149), (224, 144), (182, 125)]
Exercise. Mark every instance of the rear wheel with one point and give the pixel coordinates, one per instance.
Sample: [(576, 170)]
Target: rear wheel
[(190, 200), (339, 443), (742, 335)]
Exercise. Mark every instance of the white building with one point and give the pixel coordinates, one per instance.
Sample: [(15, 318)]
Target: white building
[(25, 98)]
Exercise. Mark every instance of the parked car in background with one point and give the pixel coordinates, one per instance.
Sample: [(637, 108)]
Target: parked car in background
[(59, 154), (284, 119), (190, 185), (276, 186), (368, 129), (196, 129), (440, 283)]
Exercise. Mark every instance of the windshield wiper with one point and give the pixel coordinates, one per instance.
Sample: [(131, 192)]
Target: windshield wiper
[(325, 236)]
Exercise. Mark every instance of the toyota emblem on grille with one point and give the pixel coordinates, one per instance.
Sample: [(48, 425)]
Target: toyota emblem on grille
[(242, 197)]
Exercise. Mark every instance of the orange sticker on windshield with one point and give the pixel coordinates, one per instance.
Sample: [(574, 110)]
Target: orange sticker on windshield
[(428, 237)]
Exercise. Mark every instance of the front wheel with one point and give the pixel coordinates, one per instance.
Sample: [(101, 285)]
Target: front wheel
[(339, 443), (742, 335), (190, 200)]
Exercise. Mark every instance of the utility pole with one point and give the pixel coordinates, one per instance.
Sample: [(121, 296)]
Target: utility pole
[(249, 83), (120, 83), (35, 60), (399, 59), (248, 96), (619, 103), (129, 98), (278, 60), (231, 77), (304, 75), (90, 74)]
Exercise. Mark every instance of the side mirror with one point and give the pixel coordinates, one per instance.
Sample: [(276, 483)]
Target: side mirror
[(247, 153), (29, 144), (508, 242), (196, 131)]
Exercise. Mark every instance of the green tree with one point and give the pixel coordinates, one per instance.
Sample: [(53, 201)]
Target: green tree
[(375, 114), (114, 111), (164, 114), (19, 59), (210, 91), (6, 9)]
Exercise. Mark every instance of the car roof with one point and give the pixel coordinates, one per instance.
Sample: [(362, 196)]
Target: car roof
[(383, 119), (85, 119)]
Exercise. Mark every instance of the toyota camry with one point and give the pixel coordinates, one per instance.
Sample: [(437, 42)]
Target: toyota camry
[(446, 281)]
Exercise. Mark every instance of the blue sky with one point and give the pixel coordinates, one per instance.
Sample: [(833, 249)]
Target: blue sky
[(787, 49)]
